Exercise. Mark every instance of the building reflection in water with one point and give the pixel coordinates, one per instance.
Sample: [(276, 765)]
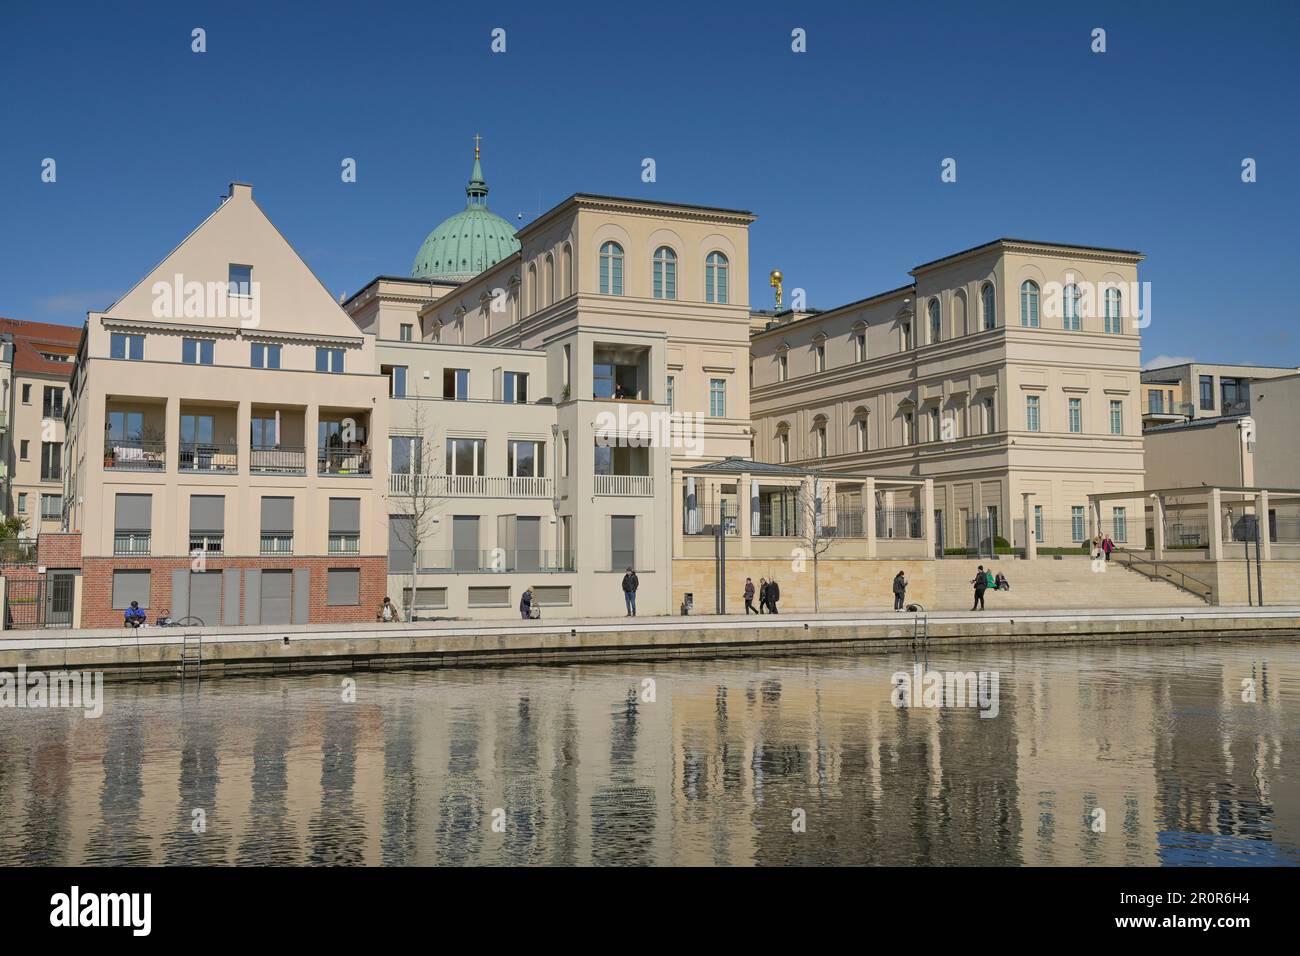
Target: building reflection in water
[(1123, 755)]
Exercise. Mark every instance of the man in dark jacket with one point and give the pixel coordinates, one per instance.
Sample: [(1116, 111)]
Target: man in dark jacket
[(749, 597), (900, 590), (762, 595), (773, 594), (630, 584), (981, 583)]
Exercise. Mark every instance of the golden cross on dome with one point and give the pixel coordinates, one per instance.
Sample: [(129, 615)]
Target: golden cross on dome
[(477, 137)]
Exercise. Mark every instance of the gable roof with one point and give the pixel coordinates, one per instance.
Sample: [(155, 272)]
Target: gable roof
[(33, 338)]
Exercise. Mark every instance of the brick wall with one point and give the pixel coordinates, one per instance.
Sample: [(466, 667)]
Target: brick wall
[(97, 590), (59, 549)]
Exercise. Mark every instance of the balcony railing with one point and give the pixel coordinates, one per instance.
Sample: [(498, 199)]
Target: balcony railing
[(133, 455), (345, 544), (469, 486), (277, 459), (208, 456), (277, 544), (207, 543), (492, 561), (131, 542), (343, 461), (625, 485)]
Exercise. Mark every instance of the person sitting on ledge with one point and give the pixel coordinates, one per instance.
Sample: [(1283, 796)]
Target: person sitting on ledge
[(134, 615), (388, 613)]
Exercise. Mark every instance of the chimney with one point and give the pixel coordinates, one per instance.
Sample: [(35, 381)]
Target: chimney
[(240, 191)]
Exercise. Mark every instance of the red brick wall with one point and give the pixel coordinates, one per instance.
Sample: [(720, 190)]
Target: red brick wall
[(97, 585), (59, 549)]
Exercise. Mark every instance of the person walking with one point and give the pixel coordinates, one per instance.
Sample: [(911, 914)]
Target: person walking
[(981, 582), (749, 597), (526, 604), (773, 595), (900, 590), (1096, 545), (762, 595), (630, 584), (1107, 546)]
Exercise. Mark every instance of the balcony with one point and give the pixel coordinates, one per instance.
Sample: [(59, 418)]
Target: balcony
[(469, 486), (492, 561), (276, 544), (348, 461), (214, 544), (277, 460), (219, 457), (126, 454), (625, 486)]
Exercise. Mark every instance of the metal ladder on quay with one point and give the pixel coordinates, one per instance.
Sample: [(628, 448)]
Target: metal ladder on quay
[(191, 655), (920, 625)]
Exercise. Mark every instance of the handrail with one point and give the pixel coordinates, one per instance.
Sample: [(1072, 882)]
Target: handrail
[(1183, 576)]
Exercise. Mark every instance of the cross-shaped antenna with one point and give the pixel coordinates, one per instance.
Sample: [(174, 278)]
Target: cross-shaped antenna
[(477, 138)]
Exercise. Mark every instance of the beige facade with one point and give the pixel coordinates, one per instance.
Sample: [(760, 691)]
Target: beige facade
[(979, 376), (1204, 390), (204, 437)]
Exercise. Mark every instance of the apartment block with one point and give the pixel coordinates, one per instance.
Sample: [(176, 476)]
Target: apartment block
[(1177, 393)]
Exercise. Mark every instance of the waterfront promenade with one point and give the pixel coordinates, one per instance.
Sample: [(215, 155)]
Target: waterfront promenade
[(159, 651)]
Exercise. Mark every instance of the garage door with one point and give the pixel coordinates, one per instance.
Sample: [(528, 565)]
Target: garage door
[(277, 589), (205, 597)]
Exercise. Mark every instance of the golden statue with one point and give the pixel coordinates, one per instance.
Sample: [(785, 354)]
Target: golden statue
[(774, 280)]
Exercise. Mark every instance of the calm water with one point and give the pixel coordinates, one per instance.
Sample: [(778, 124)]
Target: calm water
[(575, 766)]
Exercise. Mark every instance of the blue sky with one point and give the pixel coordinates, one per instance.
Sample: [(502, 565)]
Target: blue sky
[(837, 150)]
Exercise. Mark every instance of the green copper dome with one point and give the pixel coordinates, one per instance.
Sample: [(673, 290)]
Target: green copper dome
[(468, 242)]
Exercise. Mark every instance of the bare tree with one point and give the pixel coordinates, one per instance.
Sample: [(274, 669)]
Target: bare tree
[(415, 496), (812, 513)]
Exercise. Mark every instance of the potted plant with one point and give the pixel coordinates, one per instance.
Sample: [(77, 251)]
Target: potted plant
[(564, 394)]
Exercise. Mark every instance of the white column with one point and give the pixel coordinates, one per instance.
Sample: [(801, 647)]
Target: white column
[(1031, 540), (1158, 539), (754, 522), (927, 516), (869, 514), (1216, 525), (1261, 514), (692, 513)]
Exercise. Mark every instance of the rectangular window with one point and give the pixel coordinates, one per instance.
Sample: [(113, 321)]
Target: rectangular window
[(329, 360), (1207, 393), (990, 417), (514, 388), (1119, 523), (406, 331), (821, 442), (860, 347), (465, 456), (343, 587), (124, 346), (22, 448), (426, 599), (277, 525), (782, 367), (907, 336), (622, 542), (820, 351), (27, 394), (1076, 523), (22, 502), (783, 441), (1235, 395), (909, 429), (863, 441), (196, 351), (52, 406), (935, 432), (455, 384), (265, 356), (1116, 417), (396, 380), (132, 523), (1156, 401), (51, 507), (1076, 415), (126, 426), (672, 393), (718, 397), (526, 459), (51, 461), (241, 280), (345, 526), (1031, 413), (406, 454), (130, 586), (1038, 523), (489, 597)]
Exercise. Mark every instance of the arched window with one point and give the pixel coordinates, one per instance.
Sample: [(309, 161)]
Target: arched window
[(1114, 303), (715, 278), (566, 269), (1029, 304), (665, 277), (1071, 305), (550, 279), (990, 315), (611, 269), (936, 323), (861, 435)]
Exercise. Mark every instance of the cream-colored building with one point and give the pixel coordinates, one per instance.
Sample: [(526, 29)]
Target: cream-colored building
[(1202, 390), (224, 418), (35, 395), (1003, 371)]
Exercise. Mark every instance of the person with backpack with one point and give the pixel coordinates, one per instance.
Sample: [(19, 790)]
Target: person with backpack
[(900, 590), (630, 584), (981, 581), (749, 597)]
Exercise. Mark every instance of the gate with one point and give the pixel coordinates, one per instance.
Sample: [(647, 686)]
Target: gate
[(44, 601)]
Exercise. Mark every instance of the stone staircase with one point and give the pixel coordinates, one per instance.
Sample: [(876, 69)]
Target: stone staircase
[(1047, 584)]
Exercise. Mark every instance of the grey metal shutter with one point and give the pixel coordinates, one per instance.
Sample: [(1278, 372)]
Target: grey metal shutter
[(399, 543), (622, 542), (343, 587), (207, 513), (528, 541), (253, 596), (464, 542), (180, 594), (301, 595), (345, 516), (130, 586), (205, 596), (133, 513), (230, 596), (277, 515), (277, 592)]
